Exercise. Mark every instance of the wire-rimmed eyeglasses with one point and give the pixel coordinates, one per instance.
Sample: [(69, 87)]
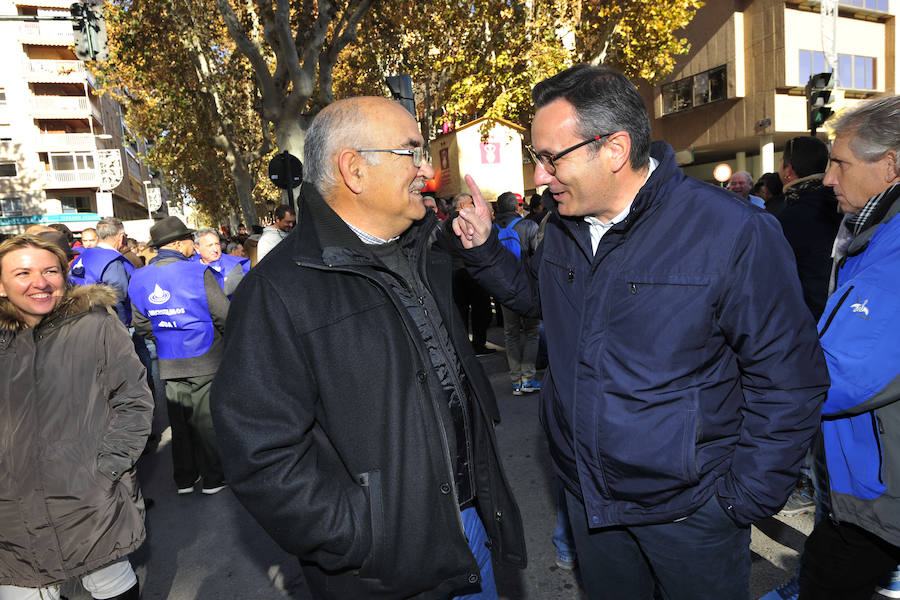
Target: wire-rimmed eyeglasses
[(548, 161), (417, 153)]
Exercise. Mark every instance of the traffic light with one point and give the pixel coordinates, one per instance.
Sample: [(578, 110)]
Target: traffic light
[(89, 31), (819, 98), (401, 89)]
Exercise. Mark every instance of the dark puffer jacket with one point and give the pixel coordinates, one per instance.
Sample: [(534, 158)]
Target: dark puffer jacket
[(810, 221), (327, 415), (75, 413)]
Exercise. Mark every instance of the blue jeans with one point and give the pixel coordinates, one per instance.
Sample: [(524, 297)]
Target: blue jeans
[(562, 536), (705, 556), (477, 537)]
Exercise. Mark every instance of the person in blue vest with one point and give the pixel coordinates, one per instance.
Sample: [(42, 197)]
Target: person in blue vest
[(231, 269), (181, 307), (521, 334), (104, 263)]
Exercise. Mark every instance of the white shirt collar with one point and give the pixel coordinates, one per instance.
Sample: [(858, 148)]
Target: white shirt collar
[(598, 228)]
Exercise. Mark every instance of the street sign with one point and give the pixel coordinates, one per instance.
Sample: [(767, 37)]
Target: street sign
[(154, 198), (110, 167), (286, 171)]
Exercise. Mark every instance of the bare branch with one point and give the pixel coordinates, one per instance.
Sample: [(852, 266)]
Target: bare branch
[(251, 50)]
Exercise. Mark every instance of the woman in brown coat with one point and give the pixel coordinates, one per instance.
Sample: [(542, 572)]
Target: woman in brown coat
[(75, 414)]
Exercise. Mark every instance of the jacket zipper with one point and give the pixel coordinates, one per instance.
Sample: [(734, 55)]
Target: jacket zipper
[(443, 432), (877, 429), (834, 311)]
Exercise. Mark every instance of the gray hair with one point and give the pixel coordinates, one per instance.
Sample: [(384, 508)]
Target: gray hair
[(874, 127), (205, 231), (458, 199), (747, 177), (342, 124), (109, 227)]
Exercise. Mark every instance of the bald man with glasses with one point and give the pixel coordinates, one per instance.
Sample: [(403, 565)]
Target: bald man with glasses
[(356, 423)]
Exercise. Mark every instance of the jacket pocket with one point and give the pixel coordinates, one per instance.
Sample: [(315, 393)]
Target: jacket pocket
[(854, 455), (652, 457), (373, 567), (671, 315)]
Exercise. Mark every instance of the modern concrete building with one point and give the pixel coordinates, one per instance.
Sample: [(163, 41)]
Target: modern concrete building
[(61, 144), (739, 94)]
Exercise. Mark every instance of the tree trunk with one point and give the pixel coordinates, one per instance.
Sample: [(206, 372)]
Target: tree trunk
[(243, 186)]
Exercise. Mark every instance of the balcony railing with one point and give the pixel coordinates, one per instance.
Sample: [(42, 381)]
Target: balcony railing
[(55, 71), (47, 3), (134, 168), (71, 179), (65, 141), (54, 33), (50, 106)]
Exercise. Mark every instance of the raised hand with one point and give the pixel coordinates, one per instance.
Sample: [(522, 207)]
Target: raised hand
[(473, 225)]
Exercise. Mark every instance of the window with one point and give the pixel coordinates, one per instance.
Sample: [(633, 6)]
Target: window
[(881, 5), (8, 169), (697, 90), (854, 72), (75, 204), (72, 161), (11, 207)]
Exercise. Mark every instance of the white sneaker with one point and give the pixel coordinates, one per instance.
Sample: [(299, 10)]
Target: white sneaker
[(188, 490), (214, 490)]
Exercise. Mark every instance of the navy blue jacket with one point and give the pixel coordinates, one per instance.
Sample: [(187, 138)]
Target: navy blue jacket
[(683, 362)]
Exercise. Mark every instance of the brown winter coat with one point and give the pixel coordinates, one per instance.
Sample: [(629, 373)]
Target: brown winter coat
[(75, 413)]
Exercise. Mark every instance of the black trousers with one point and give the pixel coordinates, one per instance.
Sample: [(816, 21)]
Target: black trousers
[(194, 451), (844, 562), (471, 300)]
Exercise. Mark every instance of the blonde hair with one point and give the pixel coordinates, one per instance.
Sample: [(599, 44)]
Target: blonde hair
[(33, 241)]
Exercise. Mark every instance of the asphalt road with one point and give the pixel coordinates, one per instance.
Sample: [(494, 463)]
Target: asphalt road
[(209, 548)]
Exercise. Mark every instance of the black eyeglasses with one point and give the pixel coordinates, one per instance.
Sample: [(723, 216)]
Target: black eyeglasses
[(548, 161), (417, 153)]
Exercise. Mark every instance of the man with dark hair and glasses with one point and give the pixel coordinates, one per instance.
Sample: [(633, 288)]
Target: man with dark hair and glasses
[(374, 459), (685, 381)]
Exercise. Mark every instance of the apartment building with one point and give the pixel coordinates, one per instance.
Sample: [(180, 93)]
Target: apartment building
[(739, 94), (65, 154)]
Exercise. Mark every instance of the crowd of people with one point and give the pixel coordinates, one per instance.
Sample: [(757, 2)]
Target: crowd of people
[(689, 391)]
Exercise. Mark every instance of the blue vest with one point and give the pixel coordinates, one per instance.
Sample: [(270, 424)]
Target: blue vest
[(173, 297), (88, 267), (225, 264)]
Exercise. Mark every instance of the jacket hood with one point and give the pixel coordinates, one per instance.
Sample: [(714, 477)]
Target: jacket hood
[(77, 300)]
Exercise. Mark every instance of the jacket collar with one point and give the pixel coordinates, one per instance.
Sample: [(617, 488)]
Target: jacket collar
[(648, 198), (167, 253), (326, 240)]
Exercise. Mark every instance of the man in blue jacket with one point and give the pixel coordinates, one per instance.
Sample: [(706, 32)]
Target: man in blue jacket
[(685, 377), (104, 263), (846, 554), (230, 269)]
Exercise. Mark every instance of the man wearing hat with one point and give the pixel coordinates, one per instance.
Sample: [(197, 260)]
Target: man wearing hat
[(179, 305)]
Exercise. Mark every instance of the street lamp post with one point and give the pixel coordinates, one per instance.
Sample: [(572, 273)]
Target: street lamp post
[(146, 183)]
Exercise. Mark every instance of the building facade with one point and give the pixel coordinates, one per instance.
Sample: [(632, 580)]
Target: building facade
[(739, 94), (62, 146)]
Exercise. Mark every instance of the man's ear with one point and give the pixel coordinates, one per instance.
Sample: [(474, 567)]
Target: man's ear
[(891, 168), (618, 147), (350, 166)]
